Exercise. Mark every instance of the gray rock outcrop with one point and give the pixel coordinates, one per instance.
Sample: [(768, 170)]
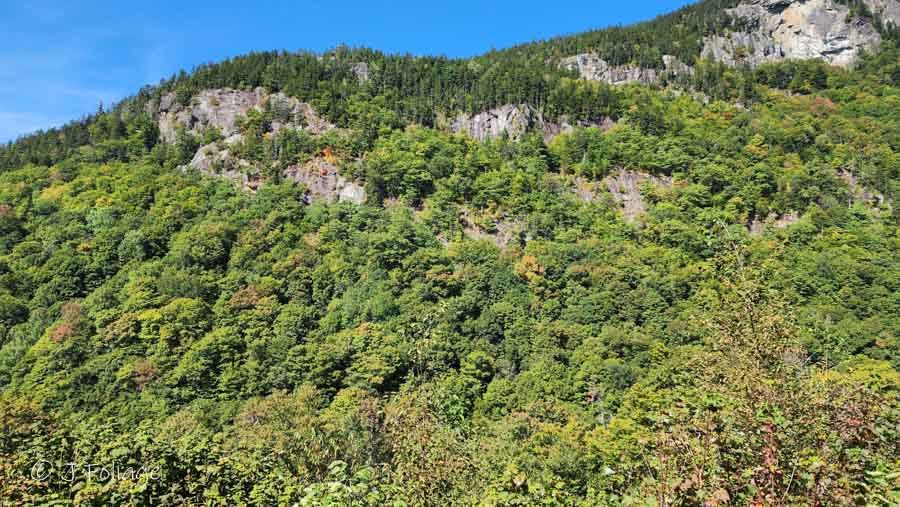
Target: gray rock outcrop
[(889, 10), (676, 67), (321, 178), (565, 125), (324, 183), (515, 120), (505, 231), (759, 226), (592, 67), (361, 71), (625, 187), (860, 194), (221, 108), (216, 160), (798, 29)]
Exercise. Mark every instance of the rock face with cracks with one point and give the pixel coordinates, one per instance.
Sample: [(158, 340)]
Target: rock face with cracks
[(221, 108), (593, 67), (771, 31), (798, 29), (514, 120), (324, 183)]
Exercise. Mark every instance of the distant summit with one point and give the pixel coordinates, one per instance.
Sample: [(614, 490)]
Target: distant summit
[(775, 30), (538, 86), (749, 33)]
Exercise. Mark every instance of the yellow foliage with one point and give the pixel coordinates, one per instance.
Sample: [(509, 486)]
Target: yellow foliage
[(54, 193)]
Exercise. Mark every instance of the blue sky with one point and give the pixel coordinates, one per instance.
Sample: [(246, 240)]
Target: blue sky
[(61, 58)]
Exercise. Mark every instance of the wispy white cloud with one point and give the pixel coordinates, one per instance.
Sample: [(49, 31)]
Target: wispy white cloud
[(38, 105), (43, 81), (56, 89), (43, 88)]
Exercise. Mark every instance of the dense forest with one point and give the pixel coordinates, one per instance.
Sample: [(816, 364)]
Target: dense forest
[(216, 346)]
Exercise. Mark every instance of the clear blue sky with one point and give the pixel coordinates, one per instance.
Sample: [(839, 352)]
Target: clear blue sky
[(60, 58)]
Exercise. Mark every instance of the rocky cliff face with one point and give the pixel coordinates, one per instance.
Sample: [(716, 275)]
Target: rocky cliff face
[(324, 183), (361, 71), (221, 108), (860, 194), (774, 30), (798, 29), (514, 120), (626, 186), (758, 226), (626, 189), (321, 178), (504, 231), (593, 67), (216, 159), (889, 10)]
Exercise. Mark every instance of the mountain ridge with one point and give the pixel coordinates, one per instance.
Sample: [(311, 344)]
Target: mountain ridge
[(704, 18), (359, 279)]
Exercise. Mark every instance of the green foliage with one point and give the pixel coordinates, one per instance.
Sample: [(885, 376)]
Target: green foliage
[(489, 328)]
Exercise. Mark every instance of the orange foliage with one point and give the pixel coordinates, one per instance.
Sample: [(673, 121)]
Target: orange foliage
[(246, 297), (821, 106), (61, 332), (329, 155)]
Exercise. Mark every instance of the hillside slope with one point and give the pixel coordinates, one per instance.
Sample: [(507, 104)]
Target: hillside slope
[(707, 34), (595, 270)]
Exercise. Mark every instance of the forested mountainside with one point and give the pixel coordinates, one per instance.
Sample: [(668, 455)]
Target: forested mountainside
[(714, 47), (646, 265)]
